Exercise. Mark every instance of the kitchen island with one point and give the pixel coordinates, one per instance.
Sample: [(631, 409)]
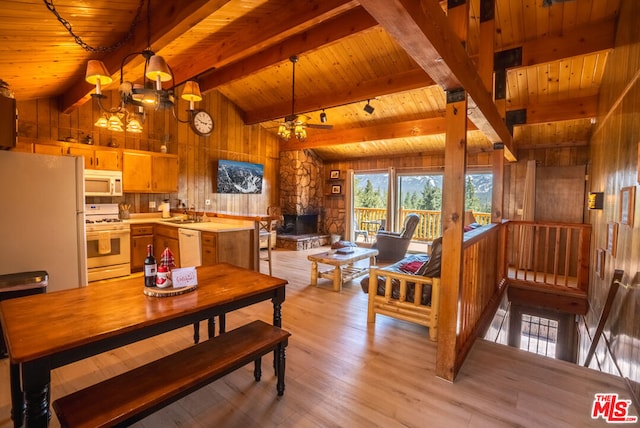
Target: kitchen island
[(210, 241), (225, 237)]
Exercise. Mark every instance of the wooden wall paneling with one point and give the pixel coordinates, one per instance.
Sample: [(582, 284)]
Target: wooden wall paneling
[(614, 165), (27, 119)]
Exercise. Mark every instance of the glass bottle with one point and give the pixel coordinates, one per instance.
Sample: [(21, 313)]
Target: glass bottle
[(150, 268)]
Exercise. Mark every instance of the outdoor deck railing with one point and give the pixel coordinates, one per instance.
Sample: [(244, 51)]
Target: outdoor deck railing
[(429, 227)]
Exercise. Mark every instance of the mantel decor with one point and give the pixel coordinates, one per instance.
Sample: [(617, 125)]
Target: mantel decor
[(627, 205)]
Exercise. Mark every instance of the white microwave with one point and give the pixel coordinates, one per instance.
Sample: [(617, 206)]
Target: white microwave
[(102, 183)]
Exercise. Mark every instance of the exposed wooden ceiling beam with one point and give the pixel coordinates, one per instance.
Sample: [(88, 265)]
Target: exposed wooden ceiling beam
[(385, 85), (579, 41), (256, 33), (556, 145), (571, 109), (578, 108), (170, 18), (421, 28), (388, 131), (339, 27)]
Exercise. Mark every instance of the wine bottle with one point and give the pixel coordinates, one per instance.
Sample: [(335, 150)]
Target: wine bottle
[(150, 268)]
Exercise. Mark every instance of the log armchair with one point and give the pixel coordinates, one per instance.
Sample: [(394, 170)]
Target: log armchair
[(392, 246)]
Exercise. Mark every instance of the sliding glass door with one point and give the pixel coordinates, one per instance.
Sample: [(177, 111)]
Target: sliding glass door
[(421, 194), (370, 204), (382, 199)]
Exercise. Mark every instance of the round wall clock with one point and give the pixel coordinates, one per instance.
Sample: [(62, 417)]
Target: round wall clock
[(202, 123)]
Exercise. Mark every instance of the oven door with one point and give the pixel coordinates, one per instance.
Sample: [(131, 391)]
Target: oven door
[(108, 254)]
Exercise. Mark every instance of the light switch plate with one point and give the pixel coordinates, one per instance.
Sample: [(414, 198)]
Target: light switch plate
[(152, 205)]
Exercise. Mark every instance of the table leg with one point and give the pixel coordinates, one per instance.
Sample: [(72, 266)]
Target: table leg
[(17, 398), (35, 381), (277, 320), (337, 279), (314, 273)]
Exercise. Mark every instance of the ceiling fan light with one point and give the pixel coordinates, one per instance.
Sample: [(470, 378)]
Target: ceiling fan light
[(97, 74), (115, 124), (134, 126), (102, 122)]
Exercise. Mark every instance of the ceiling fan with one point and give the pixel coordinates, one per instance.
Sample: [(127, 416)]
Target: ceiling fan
[(293, 124)]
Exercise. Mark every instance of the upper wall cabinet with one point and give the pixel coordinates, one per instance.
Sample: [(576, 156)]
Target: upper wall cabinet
[(97, 158), (148, 172), (8, 128)]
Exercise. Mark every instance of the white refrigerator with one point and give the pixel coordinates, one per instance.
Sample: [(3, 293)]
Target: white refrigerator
[(42, 217)]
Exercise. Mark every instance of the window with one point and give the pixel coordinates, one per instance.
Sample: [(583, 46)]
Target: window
[(539, 335)]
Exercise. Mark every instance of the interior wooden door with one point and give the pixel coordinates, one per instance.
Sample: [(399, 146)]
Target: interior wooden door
[(560, 193)]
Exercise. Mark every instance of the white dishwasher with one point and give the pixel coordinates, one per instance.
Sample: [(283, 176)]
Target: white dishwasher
[(190, 249)]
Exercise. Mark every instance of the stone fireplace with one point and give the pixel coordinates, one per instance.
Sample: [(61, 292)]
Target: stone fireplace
[(301, 199)]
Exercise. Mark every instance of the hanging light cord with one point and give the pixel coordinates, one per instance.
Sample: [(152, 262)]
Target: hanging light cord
[(82, 43)]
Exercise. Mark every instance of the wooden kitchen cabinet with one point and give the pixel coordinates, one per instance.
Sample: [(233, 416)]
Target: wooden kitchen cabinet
[(233, 247), (136, 171), (8, 123), (164, 173), (147, 172), (97, 158), (141, 236), (49, 149), (166, 237), (209, 251)]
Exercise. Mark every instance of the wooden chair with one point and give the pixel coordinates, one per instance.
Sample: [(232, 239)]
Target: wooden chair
[(266, 233), (357, 232)]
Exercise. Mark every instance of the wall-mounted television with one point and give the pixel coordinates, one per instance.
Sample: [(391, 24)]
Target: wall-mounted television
[(239, 177)]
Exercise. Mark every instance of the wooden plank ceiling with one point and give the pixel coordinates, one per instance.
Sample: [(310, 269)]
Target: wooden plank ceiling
[(346, 57)]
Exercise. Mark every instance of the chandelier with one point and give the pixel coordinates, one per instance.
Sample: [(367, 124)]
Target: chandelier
[(149, 95)]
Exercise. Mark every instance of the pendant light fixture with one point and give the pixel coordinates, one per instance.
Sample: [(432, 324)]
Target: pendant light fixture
[(292, 126), (149, 95)]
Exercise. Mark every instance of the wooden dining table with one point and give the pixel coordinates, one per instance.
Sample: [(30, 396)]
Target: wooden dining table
[(50, 330)]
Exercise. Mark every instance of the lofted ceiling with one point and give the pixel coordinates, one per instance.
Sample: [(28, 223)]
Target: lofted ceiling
[(399, 54)]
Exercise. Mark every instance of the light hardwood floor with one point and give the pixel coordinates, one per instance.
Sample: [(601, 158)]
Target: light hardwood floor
[(342, 372)]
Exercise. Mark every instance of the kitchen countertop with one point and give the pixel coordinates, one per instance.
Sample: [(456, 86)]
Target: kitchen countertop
[(211, 225)]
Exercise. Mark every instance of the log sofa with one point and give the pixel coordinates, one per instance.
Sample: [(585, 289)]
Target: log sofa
[(408, 289)]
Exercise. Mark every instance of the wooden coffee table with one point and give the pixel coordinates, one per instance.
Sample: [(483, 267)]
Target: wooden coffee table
[(344, 269)]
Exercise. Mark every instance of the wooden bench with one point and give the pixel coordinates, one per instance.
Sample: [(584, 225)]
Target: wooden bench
[(135, 394)]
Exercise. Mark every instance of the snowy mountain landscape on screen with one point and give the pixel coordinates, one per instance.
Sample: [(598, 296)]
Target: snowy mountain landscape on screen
[(239, 177)]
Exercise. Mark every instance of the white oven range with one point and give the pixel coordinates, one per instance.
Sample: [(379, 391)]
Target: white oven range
[(108, 242)]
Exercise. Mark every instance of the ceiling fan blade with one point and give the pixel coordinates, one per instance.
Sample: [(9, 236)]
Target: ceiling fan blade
[(318, 126)]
